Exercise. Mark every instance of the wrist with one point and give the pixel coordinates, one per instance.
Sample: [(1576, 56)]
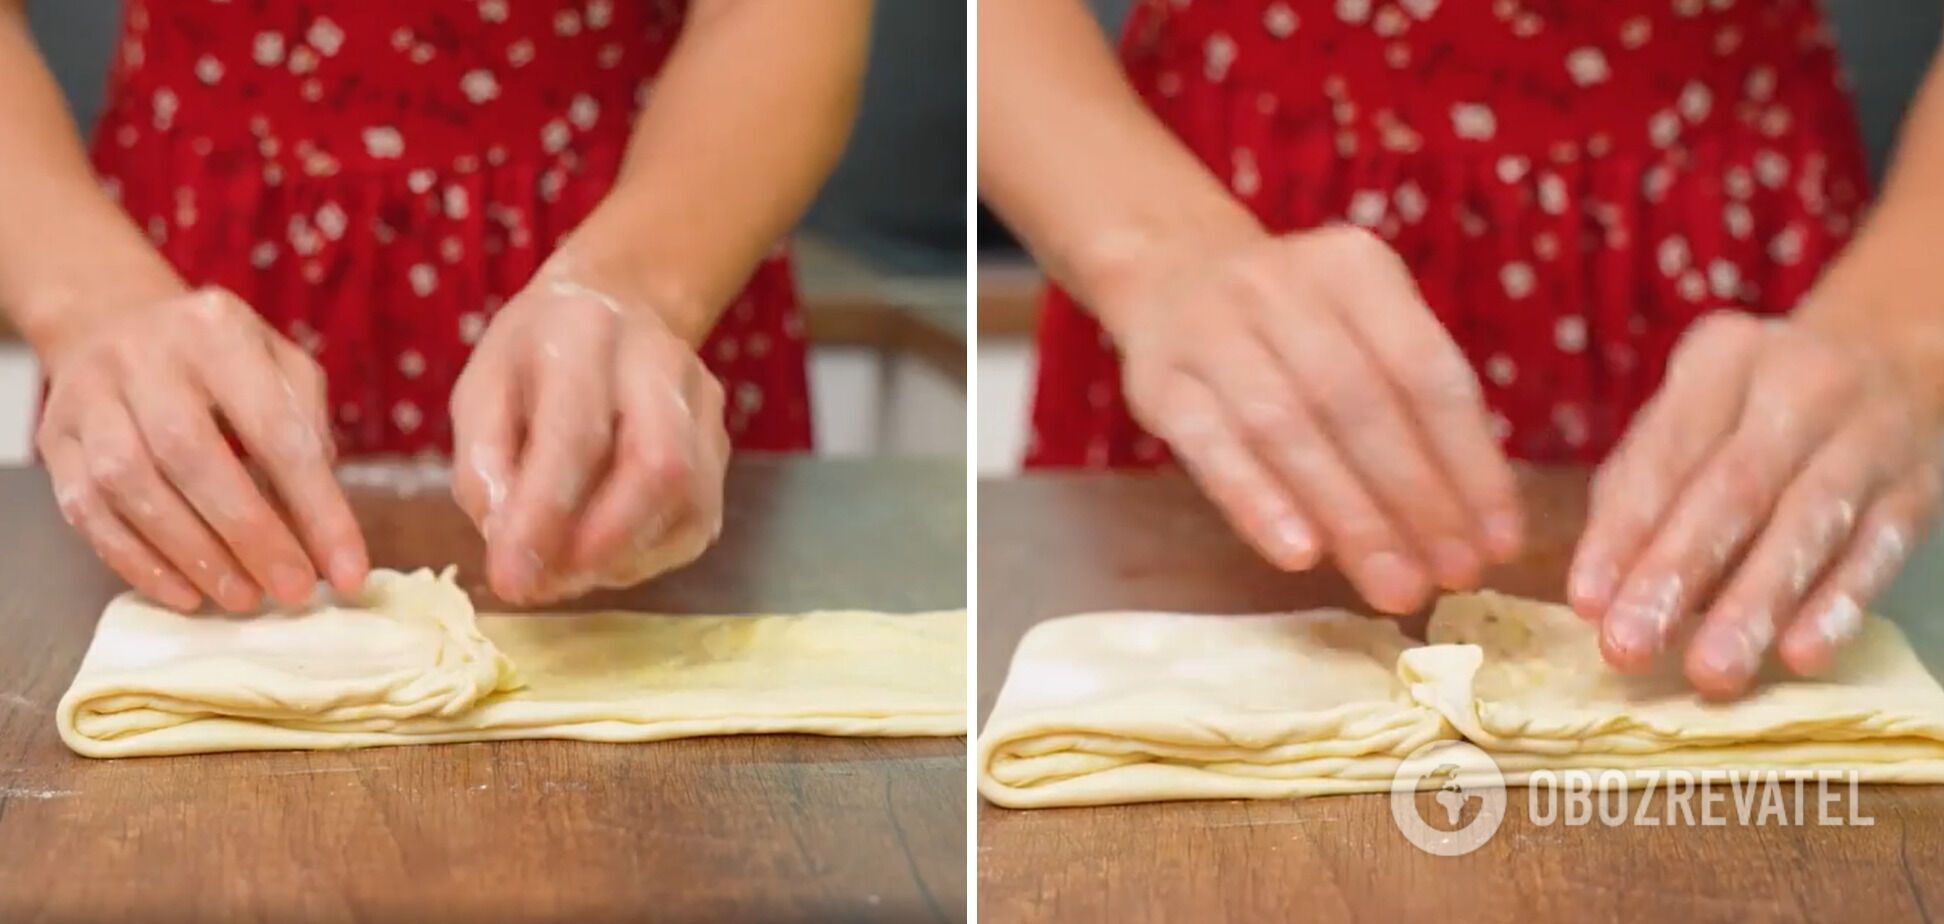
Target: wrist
[(1112, 270), (1873, 298), (56, 315), (601, 263)]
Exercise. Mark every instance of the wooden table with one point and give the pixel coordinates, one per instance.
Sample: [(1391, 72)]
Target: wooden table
[(769, 828), (1051, 545)]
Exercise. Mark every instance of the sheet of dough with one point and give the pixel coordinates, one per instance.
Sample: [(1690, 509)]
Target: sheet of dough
[(1525, 681), (411, 664), (1140, 707)]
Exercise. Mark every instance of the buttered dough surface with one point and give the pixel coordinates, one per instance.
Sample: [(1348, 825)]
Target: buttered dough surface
[(1136, 707), (412, 663)]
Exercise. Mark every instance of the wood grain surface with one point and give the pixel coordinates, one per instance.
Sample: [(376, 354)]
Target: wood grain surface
[(759, 828), (1059, 544)]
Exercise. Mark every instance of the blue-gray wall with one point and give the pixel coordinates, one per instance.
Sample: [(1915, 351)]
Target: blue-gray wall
[(898, 196)]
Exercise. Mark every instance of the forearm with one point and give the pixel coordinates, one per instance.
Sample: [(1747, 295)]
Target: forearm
[(747, 120), (65, 247), (1071, 158), (1887, 286)]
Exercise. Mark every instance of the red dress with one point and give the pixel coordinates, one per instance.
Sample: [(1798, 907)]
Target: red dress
[(1572, 181), (378, 177)]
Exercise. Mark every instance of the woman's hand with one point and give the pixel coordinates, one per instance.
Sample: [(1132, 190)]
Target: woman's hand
[(133, 432), (1767, 493), (590, 446), (1313, 395)]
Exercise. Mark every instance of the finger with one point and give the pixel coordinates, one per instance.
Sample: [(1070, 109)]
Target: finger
[(570, 436), (1390, 320), (1832, 615), (657, 459), (125, 475), (486, 405), (1190, 418), (1812, 524), (191, 454), (84, 508), (1698, 406), (1787, 416), (286, 400), (1363, 417)]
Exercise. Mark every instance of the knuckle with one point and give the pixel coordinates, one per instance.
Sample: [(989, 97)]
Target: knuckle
[(1270, 420), (176, 448), (1347, 401)]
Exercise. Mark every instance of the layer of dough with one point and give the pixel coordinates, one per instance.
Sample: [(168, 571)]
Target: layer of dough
[(1138, 707), (411, 664)]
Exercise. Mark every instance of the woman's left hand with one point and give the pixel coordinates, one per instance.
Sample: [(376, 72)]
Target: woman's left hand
[(1774, 485), (589, 444)]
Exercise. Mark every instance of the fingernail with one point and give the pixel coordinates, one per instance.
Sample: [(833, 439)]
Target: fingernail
[(348, 570), (1592, 584), (1840, 622), (1639, 621), (1455, 562), (178, 596), (1396, 579), (523, 572), (1504, 533), (289, 583), (1295, 543), (234, 595), (1737, 651)]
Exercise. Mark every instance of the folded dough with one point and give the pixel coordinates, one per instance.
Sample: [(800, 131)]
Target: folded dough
[(1137, 707), (410, 664)]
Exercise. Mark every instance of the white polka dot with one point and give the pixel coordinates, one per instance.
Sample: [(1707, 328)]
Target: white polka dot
[(472, 325), (208, 69), (492, 10), (1280, 20), (325, 36), (1410, 202), (331, 220), (456, 203), (1724, 278), (1664, 128), (263, 254), (567, 23), (1366, 208), (383, 142), (1587, 66), (1244, 178), (268, 49), (1693, 285), (583, 112), (554, 136), (1512, 168), (1737, 219), (406, 416), (1390, 22), (1473, 121), (1786, 247), (1760, 84), (520, 53), (1353, 11), (424, 279), (610, 55), (1771, 169), (1569, 334), (479, 85), (1552, 194), (411, 364), (1696, 101), (1517, 278), (1672, 254), (302, 60), (1500, 370), (1570, 421), (1636, 32)]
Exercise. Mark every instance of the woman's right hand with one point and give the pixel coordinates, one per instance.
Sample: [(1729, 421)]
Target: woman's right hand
[(133, 432), (1309, 390)]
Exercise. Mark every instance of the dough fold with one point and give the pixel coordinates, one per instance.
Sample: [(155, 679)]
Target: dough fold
[(1137, 707), (411, 663)]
